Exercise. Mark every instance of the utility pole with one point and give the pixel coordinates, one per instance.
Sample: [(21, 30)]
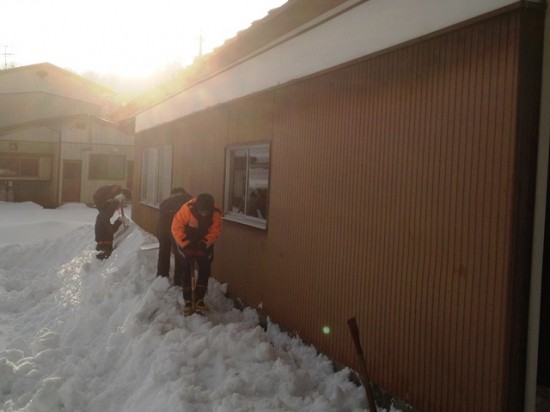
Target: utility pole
[(6, 54)]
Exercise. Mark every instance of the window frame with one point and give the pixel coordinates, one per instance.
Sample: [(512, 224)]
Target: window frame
[(25, 167), (228, 212), (156, 174)]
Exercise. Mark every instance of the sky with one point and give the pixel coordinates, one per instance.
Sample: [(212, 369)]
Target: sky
[(120, 37), (82, 335)]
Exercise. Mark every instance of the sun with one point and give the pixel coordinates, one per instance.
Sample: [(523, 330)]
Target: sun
[(123, 37)]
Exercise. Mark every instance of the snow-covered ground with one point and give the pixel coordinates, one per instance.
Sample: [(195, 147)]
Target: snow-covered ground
[(81, 335)]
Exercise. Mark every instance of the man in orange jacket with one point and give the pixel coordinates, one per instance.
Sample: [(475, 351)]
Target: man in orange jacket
[(195, 228)]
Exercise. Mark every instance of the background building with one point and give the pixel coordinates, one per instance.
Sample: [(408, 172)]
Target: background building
[(56, 141)]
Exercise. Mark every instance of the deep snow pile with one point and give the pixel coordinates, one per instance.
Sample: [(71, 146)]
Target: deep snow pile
[(80, 335)]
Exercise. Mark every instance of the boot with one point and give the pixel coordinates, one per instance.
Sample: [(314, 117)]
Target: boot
[(200, 307), (188, 307)]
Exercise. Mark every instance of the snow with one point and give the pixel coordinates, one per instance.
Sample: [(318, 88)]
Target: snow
[(82, 335)]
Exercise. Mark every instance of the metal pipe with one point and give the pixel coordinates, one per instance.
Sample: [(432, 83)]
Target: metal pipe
[(538, 230)]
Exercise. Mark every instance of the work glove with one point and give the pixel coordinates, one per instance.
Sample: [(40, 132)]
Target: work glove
[(120, 198), (203, 245), (189, 247), (117, 223), (192, 245)]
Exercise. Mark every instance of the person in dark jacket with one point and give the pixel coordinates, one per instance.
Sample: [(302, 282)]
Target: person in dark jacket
[(195, 228), (107, 200), (167, 209)]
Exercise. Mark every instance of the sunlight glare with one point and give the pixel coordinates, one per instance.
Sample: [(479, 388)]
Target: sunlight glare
[(121, 37)]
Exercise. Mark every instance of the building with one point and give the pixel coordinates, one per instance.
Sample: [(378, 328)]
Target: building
[(384, 160), (57, 144)]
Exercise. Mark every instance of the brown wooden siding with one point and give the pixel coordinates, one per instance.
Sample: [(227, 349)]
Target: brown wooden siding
[(402, 213), (393, 198)]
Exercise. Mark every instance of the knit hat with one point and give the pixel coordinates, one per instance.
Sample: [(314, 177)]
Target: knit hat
[(178, 191), (127, 194), (205, 203)]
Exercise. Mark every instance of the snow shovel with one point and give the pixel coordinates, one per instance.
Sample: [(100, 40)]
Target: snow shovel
[(124, 223), (362, 363)]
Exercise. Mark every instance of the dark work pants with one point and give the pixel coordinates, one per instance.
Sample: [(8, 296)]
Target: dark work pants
[(166, 246), (105, 230), (204, 266)]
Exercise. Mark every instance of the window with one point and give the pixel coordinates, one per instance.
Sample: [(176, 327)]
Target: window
[(107, 167), (25, 167), (156, 174), (247, 185), (29, 167), (9, 167)]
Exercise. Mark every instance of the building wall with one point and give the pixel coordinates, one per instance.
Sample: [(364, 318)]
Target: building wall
[(81, 137), (26, 108), (399, 194), (85, 137), (414, 217), (47, 110)]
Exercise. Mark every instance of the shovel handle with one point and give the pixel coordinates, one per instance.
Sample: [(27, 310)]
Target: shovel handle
[(354, 330)]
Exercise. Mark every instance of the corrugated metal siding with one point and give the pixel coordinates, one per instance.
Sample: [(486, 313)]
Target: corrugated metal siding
[(393, 178), (392, 199)]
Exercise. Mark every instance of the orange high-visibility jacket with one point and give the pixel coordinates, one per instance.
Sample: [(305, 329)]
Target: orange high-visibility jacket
[(189, 228)]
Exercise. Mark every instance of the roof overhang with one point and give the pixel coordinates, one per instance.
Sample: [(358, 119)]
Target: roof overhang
[(351, 30)]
